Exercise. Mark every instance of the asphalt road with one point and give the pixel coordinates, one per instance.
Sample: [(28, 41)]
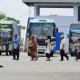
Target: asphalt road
[(24, 69)]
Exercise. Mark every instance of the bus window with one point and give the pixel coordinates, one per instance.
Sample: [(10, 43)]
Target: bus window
[(75, 27), (5, 34), (75, 36), (36, 29), (41, 30), (48, 29)]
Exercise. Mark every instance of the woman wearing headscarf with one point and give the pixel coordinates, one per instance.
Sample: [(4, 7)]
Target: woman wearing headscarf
[(33, 48), (48, 48)]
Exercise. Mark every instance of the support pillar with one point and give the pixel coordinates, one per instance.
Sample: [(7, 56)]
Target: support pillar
[(75, 12), (36, 10)]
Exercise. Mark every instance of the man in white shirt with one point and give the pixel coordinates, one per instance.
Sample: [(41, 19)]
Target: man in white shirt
[(62, 49)]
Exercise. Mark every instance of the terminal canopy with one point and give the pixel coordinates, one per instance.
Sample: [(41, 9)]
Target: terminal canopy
[(31, 2)]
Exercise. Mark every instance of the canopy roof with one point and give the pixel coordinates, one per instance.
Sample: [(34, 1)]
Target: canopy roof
[(31, 2)]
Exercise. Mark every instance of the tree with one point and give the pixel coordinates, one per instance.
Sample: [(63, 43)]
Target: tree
[(12, 19), (2, 15), (23, 27), (21, 41)]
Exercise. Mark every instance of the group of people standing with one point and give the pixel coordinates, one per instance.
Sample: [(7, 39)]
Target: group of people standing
[(62, 49), (16, 47), (33, 48), (33, 51)]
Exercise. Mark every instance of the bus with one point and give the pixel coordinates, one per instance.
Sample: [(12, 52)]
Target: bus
[(41, 28), (74, 34), (7, 31)]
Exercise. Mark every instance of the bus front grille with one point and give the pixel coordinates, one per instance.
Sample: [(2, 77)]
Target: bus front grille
[(41, 42)]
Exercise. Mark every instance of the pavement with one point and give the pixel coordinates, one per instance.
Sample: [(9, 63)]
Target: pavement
[(24, 69)]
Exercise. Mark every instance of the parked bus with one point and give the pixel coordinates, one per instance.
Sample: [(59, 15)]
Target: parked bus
[(41, 28), (7, 31), (74, 34)]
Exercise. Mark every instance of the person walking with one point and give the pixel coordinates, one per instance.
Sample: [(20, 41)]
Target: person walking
[(7, 47), (33, 45), (62, 49), (16, 47), (78, 50), (48, 48)]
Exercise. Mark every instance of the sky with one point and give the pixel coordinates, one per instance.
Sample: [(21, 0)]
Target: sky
[(20, 11), (16, 9)]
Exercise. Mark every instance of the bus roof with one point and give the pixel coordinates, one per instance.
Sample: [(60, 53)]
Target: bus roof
[(41, 20), (6, 22)]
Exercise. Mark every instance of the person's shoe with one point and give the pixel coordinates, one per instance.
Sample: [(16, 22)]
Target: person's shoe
[(48, 60), (67, 58), (76, 59), (13, 59), (17, 59), (60, 60), (1, 66)]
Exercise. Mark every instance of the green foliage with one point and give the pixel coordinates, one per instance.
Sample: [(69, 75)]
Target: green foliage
[(12, 19), (2, 15), (23, 27), (21, 41)]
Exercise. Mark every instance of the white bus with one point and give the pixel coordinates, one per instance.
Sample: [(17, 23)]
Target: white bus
[(7, 31), (41, 28)]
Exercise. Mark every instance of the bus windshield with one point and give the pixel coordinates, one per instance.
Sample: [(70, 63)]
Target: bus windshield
[(6, 30), (5, 33), (75, 26), (75, 36), (41, 30)]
